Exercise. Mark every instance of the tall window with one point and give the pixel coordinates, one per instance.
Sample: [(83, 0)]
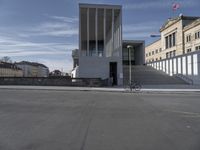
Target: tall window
[(167, 55), (100, 34), (189, 50), (174, 53), (174, 39), (170, 40), (197, 35), (166, 42), (171, 54), (188, 38), (197, 48), (156, 50), (149, 53)]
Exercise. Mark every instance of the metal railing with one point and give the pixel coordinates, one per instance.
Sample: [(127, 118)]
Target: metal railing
[(185, 78)]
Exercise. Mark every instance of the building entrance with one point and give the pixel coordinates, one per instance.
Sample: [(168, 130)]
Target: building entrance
[(113, 73)]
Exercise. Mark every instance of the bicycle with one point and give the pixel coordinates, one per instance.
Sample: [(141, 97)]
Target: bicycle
[(134, 85)]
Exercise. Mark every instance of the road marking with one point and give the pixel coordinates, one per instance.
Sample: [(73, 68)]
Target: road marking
[(186, 113)]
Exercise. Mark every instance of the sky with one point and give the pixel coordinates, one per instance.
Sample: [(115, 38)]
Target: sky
[(46, 31)]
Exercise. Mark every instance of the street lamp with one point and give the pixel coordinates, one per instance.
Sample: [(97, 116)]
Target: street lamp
[(155, 35), (129, 47)]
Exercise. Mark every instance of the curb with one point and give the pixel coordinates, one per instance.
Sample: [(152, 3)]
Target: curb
[(51, 88)]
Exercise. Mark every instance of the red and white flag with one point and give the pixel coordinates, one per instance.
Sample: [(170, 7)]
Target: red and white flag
[(175, 6)]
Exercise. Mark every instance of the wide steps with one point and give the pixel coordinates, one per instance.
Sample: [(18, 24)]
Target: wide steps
[(148, 75)]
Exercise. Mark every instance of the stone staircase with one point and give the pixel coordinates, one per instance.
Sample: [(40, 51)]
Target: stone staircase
[(147, 75)]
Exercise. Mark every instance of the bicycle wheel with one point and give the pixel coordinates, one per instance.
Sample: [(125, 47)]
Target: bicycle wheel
[(138, 87), (127, 88)]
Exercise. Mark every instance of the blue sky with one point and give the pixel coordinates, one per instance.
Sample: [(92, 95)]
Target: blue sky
[(46, 31)]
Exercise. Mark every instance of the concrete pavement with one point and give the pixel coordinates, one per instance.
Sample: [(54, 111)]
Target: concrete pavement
[(146, 88), (90, 120)]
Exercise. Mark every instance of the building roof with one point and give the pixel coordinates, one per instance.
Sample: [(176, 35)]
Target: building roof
[(8, 65), (174, 20), (31, 63), (153, 42), (132, 42), (86, 5), (192, 24)]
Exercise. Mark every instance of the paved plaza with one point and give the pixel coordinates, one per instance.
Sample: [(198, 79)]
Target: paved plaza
[(91, 120)]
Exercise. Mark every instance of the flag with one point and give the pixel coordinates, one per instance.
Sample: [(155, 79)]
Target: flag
[(175, 6)]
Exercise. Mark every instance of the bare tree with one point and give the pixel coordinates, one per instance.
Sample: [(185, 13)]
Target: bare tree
[(6, 59)]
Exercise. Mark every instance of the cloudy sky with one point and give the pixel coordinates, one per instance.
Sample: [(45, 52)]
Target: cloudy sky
[(46, 31)]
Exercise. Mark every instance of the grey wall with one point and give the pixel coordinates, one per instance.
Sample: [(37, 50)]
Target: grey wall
[(138, 49), (99, 67), (53, 81), (139, 54)]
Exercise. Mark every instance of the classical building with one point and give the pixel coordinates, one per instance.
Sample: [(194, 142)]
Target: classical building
[(177, 52), (179, 35), (192, 37), (102, 52), (10, 70), (33, 69)]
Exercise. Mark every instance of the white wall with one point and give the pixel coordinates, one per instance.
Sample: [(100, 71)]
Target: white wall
[(187, 65)]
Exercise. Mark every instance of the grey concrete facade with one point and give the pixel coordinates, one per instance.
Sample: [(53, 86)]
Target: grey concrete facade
[(100, 41), (137, 53)]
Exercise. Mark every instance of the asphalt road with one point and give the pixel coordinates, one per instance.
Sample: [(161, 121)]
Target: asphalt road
[(75, 120)]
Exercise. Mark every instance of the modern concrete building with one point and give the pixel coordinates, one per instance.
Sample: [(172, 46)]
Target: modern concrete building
[(102, 52), (100, 42)]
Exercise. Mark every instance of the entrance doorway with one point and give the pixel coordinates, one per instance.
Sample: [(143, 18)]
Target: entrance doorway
[(113, 73)]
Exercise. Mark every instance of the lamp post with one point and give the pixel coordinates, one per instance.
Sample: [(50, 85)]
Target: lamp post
[(129, 47), (155, 35)]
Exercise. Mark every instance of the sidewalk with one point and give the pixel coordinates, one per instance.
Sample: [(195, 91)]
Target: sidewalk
[(146, 88)]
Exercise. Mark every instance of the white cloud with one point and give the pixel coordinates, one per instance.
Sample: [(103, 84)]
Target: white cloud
[(19, 43), (65, 19), (160, 4), (141, 30), (51, 28), (61, 64), (21, 49), (13, 47)]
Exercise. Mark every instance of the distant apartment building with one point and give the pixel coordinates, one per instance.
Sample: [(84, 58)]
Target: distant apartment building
[(179, 35), (177, 52), (10, 70), (102, 52), (33, 69)]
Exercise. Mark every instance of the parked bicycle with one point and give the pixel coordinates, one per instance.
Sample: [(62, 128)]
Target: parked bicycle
[(134, 86)]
